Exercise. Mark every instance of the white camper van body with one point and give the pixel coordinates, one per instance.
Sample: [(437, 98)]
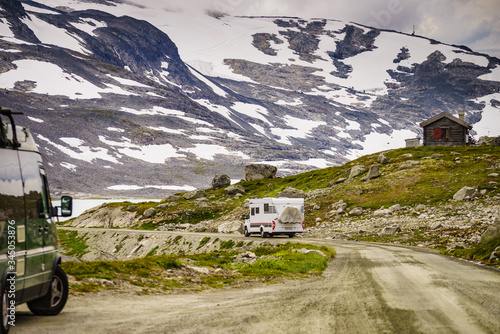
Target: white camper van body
[(264, 217)]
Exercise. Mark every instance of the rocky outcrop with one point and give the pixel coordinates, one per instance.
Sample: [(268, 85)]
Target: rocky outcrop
[(104, 216), (460, 224), (260, 171)]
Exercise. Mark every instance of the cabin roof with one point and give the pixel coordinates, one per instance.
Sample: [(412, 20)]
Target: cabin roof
[(447, 115)]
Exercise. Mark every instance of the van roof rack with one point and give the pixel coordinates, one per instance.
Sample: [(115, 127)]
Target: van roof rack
[(4, 141)]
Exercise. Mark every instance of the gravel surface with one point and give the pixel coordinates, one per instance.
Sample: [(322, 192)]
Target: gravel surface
[(368, 288)]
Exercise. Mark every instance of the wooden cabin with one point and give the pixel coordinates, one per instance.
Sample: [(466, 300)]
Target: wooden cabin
[(446, 130)]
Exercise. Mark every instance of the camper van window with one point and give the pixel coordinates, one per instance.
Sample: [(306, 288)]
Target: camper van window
[(45, 195), (269, 208)]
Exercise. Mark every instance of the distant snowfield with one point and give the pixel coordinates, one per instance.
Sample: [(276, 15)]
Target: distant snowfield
[(377, 142), (489, 125), (58, 82)]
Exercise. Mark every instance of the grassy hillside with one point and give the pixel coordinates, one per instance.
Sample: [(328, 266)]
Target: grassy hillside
[(424, 175)]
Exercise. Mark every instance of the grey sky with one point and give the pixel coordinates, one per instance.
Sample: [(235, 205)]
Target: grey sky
[(475, 23)]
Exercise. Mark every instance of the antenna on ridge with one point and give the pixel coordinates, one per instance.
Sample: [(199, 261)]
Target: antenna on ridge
[(413, 33)]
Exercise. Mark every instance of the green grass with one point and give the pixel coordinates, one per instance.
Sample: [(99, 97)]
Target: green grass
[(150, 272), (73, 244), (203, 242), (480, 252)]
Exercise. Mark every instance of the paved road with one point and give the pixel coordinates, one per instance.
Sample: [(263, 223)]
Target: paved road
[(368, 288)]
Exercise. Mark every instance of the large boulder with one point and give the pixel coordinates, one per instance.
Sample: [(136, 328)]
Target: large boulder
[(259, 171), (220, 181)]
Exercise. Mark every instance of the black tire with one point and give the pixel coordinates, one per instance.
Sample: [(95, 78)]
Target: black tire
[(262, 233), (291, 235), (4, 304), (54, 301), (247, 234)]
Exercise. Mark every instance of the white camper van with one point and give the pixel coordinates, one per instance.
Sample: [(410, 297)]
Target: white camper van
[(275, 216)]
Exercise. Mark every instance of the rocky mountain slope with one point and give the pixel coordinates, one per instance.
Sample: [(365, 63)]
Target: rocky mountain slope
[(126, 101)]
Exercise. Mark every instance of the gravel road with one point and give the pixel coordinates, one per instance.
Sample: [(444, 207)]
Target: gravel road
[(368, 288)]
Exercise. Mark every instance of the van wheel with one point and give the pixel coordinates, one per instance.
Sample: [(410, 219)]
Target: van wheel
[(247, 234), (54, 301), (262, 233), (5, 302), (291, 235)]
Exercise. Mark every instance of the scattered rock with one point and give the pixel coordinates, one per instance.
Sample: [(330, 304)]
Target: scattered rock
[(390, 230), (306, 251), (373, 173), (259, 171), (230, 227), (220, 181), (396, 208), (436, 225), (493, 175), (495, 255), (341, 237), (247, 257), (492, 232), (234, 189), (173, 198), (291, 192), (355, 171), (358, 211), (466, 193), (382, 212), (195, 194), (382, 159), (149, 213)]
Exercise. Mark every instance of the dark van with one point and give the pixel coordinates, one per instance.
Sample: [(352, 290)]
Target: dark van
[(30, 270)]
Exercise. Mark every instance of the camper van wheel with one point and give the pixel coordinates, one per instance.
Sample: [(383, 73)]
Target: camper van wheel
[(262, 233), (291, 235), (54, 301), (247, 234)]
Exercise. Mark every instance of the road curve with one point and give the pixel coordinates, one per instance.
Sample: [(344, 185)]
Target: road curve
[(368, 288)]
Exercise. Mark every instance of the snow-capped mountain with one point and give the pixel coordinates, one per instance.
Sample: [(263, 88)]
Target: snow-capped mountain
[(129, 100)]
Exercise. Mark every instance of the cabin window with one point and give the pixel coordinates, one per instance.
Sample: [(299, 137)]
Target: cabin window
[(269, 208), (441, 133)]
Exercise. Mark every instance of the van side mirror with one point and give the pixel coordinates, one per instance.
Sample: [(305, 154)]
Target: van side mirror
[(245, 217), (66, 207)]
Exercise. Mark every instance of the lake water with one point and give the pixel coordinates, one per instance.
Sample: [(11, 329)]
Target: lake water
[(81, 205)]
